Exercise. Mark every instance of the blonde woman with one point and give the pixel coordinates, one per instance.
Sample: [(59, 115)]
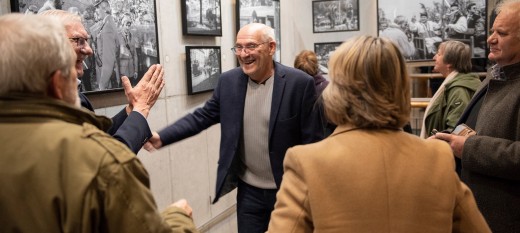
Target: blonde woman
[(369, 175)]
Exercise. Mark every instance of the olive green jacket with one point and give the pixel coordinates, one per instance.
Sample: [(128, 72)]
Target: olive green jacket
[(60, 173), (448, 107)]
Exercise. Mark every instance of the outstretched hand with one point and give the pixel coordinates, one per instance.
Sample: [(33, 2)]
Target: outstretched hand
[(153, 143), (142, 97)]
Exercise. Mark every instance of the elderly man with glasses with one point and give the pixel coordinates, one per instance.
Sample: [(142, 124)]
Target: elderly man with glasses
[(129, 125), (263, 108)]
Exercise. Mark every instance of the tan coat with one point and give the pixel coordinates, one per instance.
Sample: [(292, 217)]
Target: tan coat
[(60, 173), (373, 181)]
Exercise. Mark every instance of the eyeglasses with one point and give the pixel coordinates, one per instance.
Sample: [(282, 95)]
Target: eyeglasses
[(248, 48), (80, 42)]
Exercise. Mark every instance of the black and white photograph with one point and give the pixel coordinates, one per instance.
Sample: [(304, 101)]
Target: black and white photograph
[(201, 17), (203, 68), (419, 27), (123, 36), (323, 52), (261, 11), (335, 15)]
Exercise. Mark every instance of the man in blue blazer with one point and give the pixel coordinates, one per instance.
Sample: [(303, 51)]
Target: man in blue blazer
[(263, 108), (129, 126)]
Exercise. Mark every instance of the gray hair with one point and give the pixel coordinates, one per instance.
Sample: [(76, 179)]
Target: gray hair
[(33, 48), (457, 54), (266, 31)]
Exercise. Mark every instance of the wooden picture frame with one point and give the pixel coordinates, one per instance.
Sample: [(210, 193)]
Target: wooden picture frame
[(199, 19), (203, 68), (335, 15)]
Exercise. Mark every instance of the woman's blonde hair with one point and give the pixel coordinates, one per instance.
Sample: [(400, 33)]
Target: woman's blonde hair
[(369, 85), (307, 61)]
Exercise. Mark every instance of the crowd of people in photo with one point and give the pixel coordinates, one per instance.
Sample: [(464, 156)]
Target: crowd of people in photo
[(419, 38), (122, 34), (305, 153), (335, 16)]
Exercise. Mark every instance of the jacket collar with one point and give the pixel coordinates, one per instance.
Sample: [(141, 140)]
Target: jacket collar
[(17, 105)]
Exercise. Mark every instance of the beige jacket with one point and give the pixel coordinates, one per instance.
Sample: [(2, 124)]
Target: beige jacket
[(373, 181)]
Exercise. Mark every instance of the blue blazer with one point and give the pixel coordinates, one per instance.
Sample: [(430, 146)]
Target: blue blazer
[(132, 130), (294, 120)]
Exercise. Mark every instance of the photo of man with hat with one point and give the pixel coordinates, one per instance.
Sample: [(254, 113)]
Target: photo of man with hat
[(105, 43), (128, 62)]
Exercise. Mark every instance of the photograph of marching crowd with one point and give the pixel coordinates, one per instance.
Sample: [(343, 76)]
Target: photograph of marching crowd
[(122, 33), (418, 28), (335, 15)]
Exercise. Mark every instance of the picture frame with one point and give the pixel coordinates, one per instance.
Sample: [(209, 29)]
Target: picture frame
[(201, 18), (264, 11), (427, 23), (323, 52), (132, 48), (335, 15), (203, 68)]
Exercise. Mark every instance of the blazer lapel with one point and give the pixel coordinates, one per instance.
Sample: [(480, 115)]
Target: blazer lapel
[(278, 89)]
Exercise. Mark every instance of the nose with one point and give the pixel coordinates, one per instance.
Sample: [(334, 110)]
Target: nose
[(492, 38), (87, 50)]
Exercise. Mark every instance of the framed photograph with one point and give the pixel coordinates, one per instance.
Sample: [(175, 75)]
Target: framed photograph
[(419, 27), (203, 67), (123, 36), (335, 15), (323, 52), (261, 11), (201, 18)]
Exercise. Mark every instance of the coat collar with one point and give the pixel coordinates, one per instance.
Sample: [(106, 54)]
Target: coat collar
[(16, 105)]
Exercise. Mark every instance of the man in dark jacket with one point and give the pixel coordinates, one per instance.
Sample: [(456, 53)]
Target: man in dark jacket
[(491, 159), (129, 125), (263, 108), (59, 171)]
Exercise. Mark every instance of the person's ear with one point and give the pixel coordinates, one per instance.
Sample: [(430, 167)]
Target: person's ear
[(272, 48), (56, 85)]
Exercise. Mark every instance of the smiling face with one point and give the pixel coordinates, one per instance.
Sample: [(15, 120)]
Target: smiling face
[(504, 41), (76, 30), (257, 63)]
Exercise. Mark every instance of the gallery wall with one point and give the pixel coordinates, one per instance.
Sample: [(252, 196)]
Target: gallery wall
[(187, 169)]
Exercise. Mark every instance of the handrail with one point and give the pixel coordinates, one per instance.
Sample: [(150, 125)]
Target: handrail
[(438, 75), (420, 102), (217, 219)]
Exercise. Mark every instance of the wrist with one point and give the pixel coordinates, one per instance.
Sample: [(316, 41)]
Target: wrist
[(128, 109)]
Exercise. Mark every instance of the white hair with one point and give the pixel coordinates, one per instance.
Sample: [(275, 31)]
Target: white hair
[(33, 48)]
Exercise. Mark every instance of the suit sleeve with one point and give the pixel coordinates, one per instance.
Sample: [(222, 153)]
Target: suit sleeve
[(292, 210), (492, 156), (195, 122), (132, 130), (467, 217), (311, 124)]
